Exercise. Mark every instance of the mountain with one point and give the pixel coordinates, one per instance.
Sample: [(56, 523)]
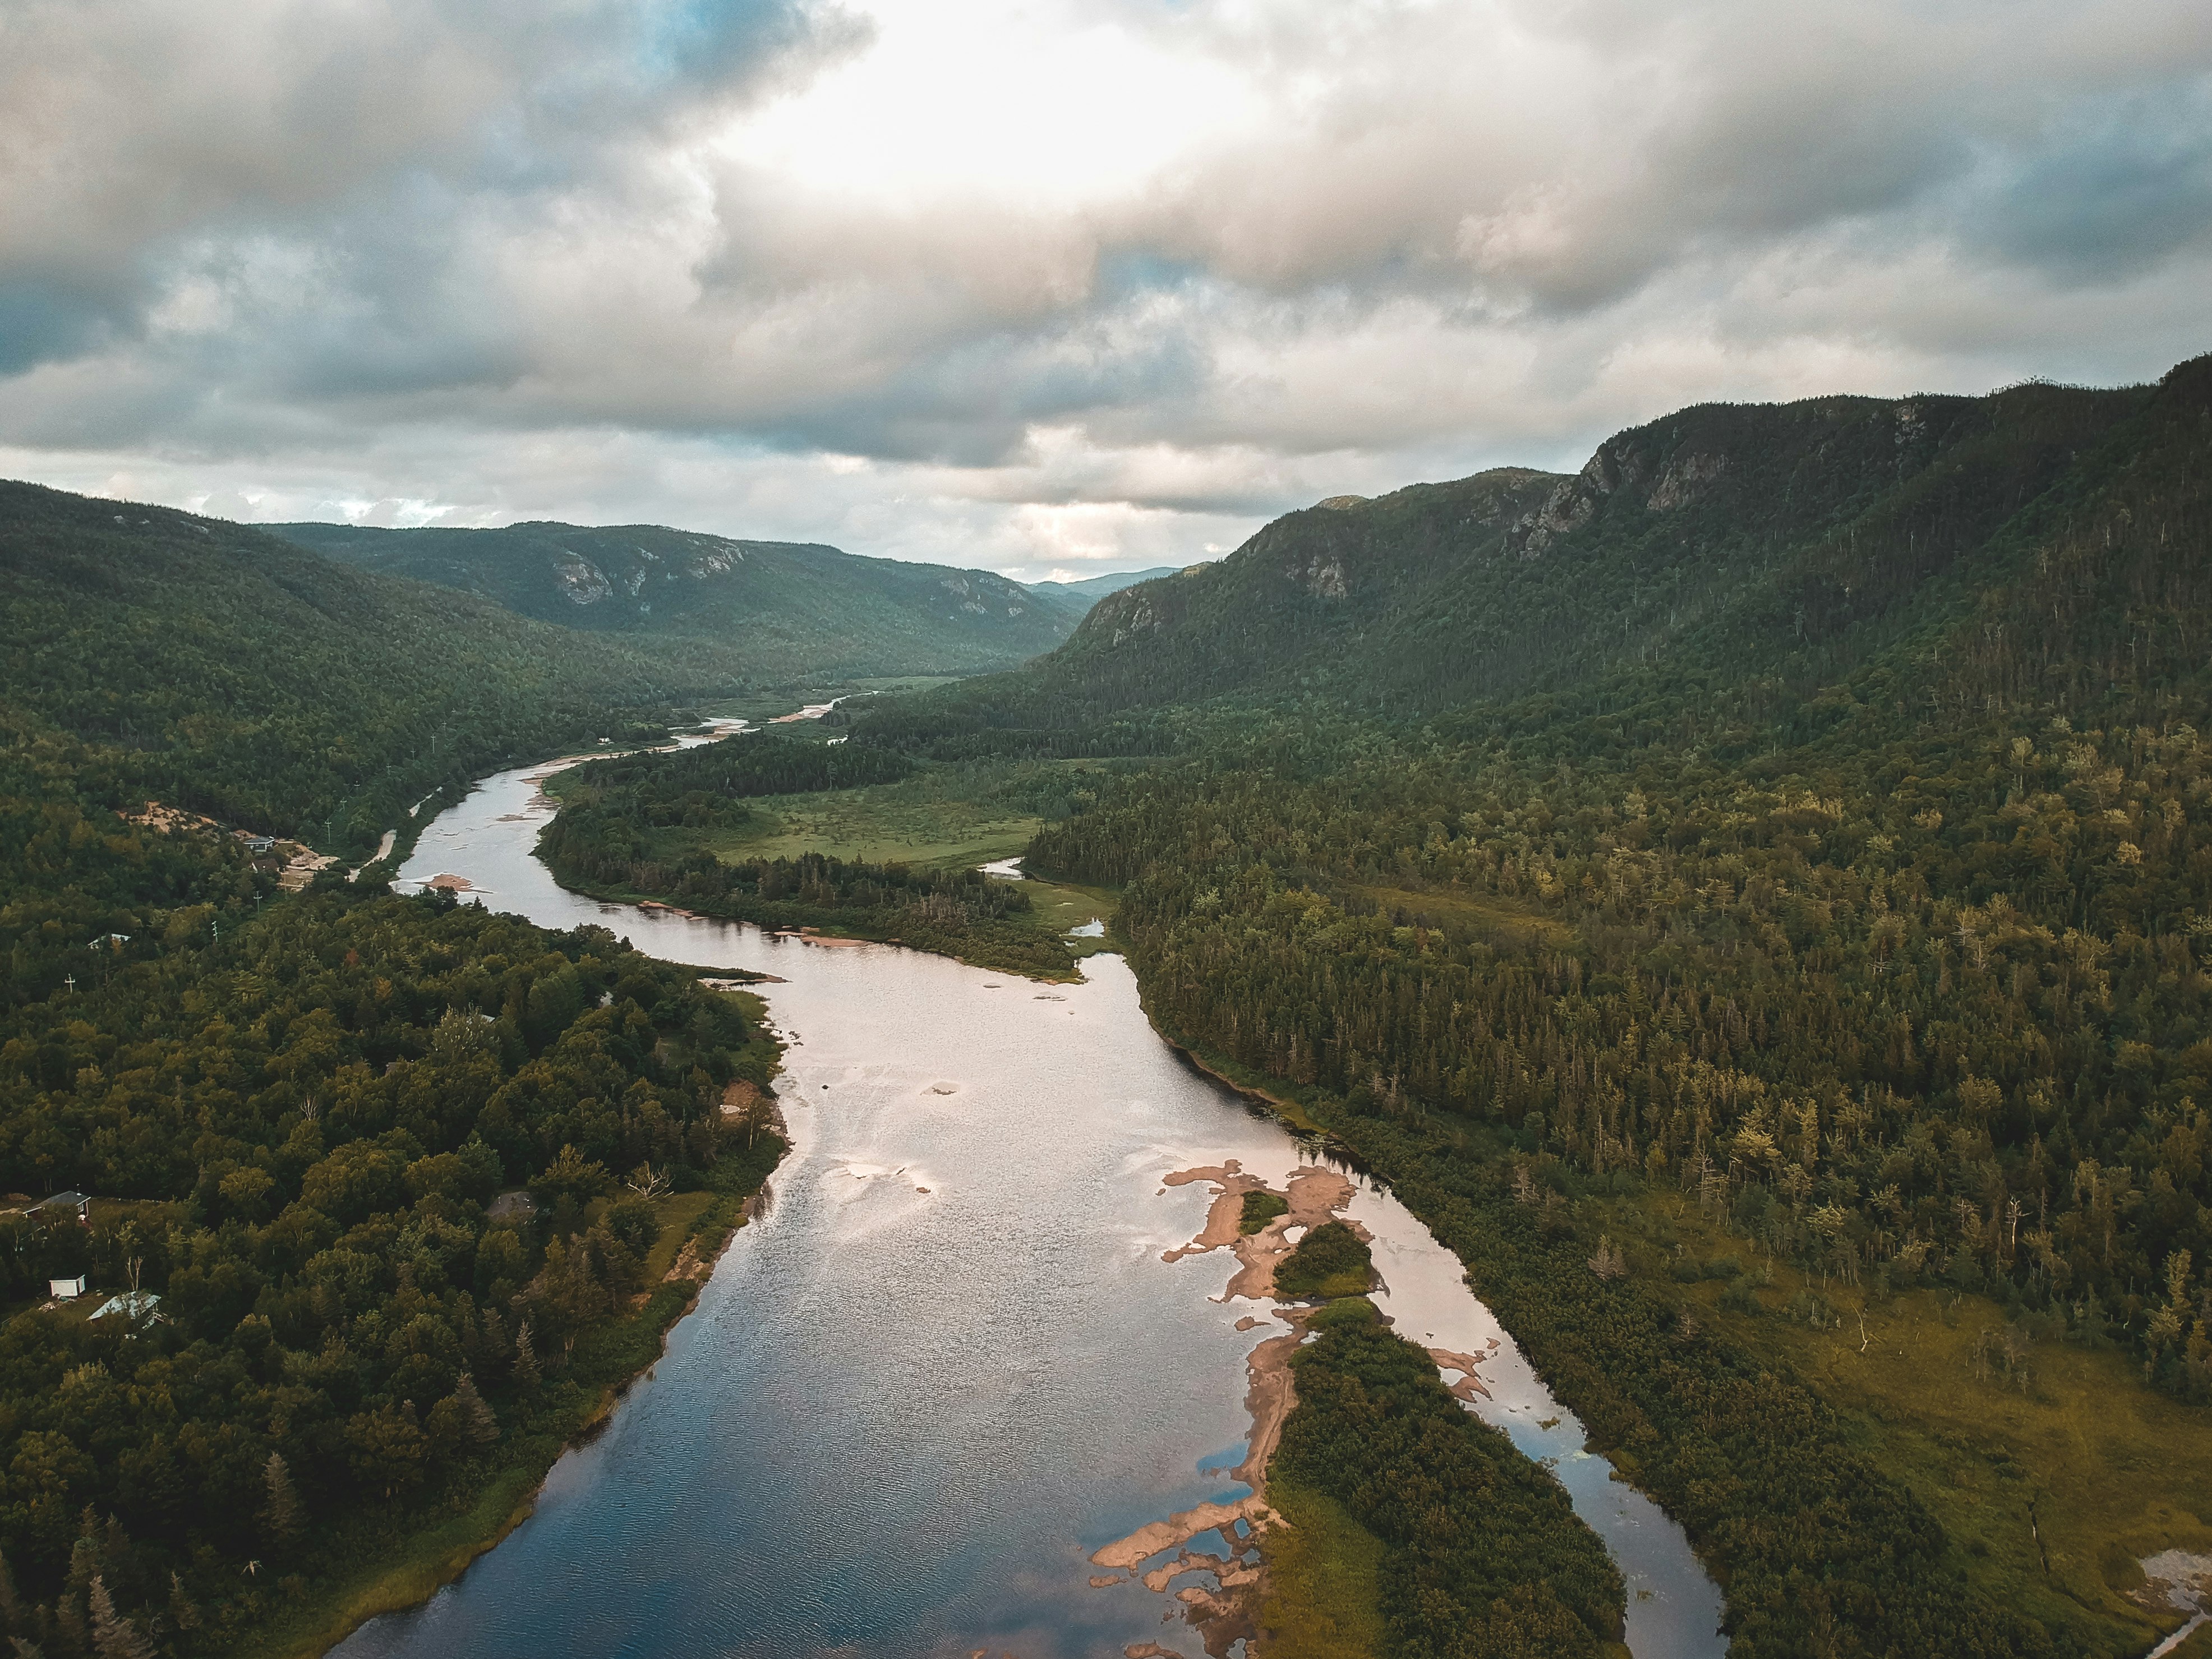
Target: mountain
[(228, 670), (1720, 530), (1079, 596), (1726, 539), (773, 610)]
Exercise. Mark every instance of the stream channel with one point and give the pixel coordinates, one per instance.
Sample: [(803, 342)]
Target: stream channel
[(947, 1363)]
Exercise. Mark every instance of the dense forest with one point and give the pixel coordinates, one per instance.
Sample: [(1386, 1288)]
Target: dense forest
[(298, 1132), (151, 654), (706, 786)]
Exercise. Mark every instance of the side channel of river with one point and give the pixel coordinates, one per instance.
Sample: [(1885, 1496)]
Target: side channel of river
[(948, 1362)]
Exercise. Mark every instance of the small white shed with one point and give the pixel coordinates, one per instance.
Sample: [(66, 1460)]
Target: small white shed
[(65, 1290)]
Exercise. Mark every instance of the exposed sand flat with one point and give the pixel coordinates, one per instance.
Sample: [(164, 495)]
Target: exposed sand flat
[(1179, 1529), (1469, 1384), (1160, 1577), (1269, 1396), (1226, 1217), (1314, 1195)]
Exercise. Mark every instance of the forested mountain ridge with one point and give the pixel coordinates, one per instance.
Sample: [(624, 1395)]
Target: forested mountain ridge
[(1737, 535), (223, 668), (771, 609)]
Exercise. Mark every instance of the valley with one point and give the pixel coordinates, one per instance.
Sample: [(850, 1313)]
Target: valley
[(860, 831), (1793, 1034)]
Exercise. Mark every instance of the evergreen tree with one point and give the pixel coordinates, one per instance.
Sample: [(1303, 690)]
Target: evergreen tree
[(282, 1513), (477, 1423), (525, 1360), (113, 1636), (184, 1612)]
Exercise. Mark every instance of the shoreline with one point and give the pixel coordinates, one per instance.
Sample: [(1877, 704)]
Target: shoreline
[(510, 1498), (1313, 1195)]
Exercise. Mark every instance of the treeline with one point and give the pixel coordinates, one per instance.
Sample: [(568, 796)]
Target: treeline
[(297, 1135), (1819, 1550), (1483, 1555), (701, 788)]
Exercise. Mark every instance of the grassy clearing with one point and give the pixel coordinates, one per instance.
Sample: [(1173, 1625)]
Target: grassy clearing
[(766, 704), (1483, 917), (2051, 1473), (909, 823), (1324, 1575)]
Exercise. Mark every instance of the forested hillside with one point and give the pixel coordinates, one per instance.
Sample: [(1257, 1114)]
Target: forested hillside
[(151, 653), (1078, 596), (321, 1353), (763, 611), (1796, 539)]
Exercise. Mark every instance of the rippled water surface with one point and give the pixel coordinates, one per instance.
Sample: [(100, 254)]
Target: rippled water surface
[(948, 1362)]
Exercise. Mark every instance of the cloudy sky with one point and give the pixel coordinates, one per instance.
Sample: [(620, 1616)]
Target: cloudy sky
[(1047, 286)]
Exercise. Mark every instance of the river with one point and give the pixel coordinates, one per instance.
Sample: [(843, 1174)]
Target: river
[(948, 1362)]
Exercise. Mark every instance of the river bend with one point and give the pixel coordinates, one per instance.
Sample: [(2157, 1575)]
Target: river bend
[(947, 1363)]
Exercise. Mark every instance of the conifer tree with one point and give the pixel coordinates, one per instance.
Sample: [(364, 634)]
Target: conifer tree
[(283, 1509), (477, 1423), (113, 1636), (525, 1360), (184, 1612)]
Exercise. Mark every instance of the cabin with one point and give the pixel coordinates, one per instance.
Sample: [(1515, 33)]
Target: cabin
[(77, 1201), (66, 1290)]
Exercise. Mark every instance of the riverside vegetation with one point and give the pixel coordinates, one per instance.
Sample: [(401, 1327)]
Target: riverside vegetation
[(389, 1195), (1785, 840), (663, 826)]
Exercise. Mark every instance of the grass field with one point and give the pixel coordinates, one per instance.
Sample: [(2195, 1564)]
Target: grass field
[(2053, 1468), (763, 706), (909, 822), (1323, 1573)]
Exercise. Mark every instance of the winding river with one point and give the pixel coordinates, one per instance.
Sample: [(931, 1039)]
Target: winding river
[(948, 1362)]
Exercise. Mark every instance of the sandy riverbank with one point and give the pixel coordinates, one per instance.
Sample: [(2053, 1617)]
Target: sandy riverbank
[(1225, 1610)]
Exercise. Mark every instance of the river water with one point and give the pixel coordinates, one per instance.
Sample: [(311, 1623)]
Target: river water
[(948, 1362)]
